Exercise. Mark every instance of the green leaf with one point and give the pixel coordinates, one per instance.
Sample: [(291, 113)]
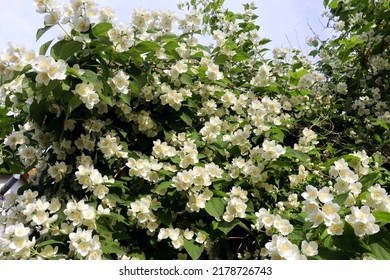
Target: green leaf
[(186, 118), (340, 199), (185, 79), (117, 198), (38, 112), (125, 98), (378, 252), (298, 74), (382, 124), (106, 99), (221, 59), (383, 217), (42, 31), (103, 226), (349, 242), (193, 249), (331, 254), (264, 41), (379, 245), (101, 29), (171, 46), (65, 49), (313, 53), (226, 227), (240, 56), (291, 153), (46, 90), (147, 46), (215, 207), (74, 102), (164, 216), (378, 138), (49, 242), (91, 77), (334, 4), (137, 253), (110, 247), (164, 185), (369, 180), (166, 172), (43, 49)]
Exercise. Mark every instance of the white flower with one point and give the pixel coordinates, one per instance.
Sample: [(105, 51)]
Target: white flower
[(18, 243), (121, 82), (55, 205), (40, 217), (48, 251), (174, 233), (309, 248), (162, 150), (58, 171), (342, 88), (316, 217), (348, 175), (306, 81), (178, 243), (330, 210), (110, 147), (57, 70), (188, 234), (324, 195), (335, 227), (283, 226), (282, 248), (213, 72), (100, 191), (340, 164), (362, 221), (377, 193), (52, 18), (263, 77), (271, 150), (20, 230), (163, 233), (177, 69), (87, 94), (81, 24), (200, 237), (311, 193)]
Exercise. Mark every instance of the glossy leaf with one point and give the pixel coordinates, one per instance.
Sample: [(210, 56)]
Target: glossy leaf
[(65, 49)]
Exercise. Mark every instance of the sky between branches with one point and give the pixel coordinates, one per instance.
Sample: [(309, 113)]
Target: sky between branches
[(287, 23)]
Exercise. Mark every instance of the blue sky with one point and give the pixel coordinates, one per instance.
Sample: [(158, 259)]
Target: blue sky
[(278, 19)]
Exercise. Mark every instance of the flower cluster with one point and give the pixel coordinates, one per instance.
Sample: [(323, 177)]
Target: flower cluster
[(141, 211), (236, 204), (85, 244), (307, 142), (269, 221)]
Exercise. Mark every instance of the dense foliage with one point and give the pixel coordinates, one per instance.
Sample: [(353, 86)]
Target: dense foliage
[(142, 142)]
